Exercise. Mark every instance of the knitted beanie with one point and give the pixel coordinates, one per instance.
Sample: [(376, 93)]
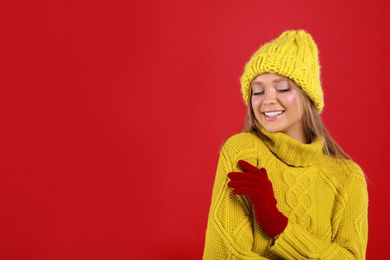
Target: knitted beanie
[(293, 54)]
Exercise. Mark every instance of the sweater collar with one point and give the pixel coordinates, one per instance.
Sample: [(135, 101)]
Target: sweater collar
[(292, 151)]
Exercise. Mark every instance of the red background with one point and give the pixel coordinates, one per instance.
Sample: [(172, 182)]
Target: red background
[(112, 114)]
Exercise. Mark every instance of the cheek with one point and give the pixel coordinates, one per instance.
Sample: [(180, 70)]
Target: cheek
[(256, 103), (292, 101), (256, 107)]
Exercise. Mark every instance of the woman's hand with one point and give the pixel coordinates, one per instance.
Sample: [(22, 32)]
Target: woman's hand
[(254, 183)]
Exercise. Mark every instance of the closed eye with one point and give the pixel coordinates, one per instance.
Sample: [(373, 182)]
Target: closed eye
[(258, 93)]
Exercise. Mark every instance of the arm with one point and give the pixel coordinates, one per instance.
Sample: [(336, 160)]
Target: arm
[(349, 228), (229, 233)]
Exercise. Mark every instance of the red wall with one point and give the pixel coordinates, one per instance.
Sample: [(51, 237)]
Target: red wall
[(112, 114)]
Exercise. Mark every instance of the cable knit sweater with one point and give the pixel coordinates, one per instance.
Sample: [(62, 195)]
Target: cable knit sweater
[(324, 198)]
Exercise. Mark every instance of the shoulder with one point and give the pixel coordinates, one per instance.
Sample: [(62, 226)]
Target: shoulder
[(346, 172), (241, 142), (349, 169), (246, 146), (352, 184)]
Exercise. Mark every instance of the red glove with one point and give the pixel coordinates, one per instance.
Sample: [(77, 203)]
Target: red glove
[(254, 183)]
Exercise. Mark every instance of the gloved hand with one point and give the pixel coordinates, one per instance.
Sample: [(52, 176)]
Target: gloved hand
[(254, 183)]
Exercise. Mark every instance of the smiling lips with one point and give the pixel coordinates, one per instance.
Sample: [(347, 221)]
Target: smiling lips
[(272, 115)]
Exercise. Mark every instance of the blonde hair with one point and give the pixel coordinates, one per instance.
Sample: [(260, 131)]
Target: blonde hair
[(312, 124)]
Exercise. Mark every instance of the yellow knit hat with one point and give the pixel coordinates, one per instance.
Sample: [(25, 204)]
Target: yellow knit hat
[(293, 54)]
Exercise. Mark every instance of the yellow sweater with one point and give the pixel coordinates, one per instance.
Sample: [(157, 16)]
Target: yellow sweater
[(324, 198)]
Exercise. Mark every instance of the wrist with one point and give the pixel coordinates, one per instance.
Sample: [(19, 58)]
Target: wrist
[(273, 224)]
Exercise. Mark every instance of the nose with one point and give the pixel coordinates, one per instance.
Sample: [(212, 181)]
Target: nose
[(269, 97)]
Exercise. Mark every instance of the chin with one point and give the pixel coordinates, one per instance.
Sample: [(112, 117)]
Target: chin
[(272, 129)]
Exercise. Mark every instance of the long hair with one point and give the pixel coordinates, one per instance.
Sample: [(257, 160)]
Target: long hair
[(311, 120)]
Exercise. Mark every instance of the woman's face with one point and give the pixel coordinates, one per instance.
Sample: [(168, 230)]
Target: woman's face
[(277, 105)]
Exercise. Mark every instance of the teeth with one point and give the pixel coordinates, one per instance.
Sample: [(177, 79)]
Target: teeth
[(272, 114)]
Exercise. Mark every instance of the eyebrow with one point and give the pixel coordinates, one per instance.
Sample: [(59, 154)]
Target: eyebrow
[(274, 81)]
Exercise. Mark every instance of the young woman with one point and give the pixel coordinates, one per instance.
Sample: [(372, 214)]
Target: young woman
[(284, 189)]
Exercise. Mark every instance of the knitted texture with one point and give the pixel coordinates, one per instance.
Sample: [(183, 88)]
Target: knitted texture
[(294, 54), (325, 200), (254, 183)]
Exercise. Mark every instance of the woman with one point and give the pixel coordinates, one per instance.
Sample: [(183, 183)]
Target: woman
[(284, 189)]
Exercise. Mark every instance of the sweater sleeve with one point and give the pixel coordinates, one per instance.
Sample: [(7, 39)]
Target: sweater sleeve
[(229, 233), (350, 228)]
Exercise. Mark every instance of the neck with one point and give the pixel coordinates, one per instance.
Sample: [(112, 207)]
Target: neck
[(299, 136), (291, 150)]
